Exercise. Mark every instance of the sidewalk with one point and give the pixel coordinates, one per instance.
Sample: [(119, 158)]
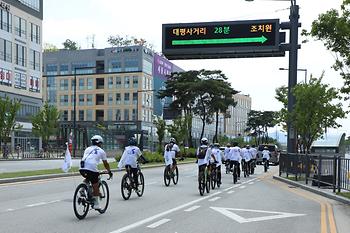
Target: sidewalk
[(326, 192)]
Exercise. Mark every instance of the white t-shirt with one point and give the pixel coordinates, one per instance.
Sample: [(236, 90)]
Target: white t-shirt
[(168, 156), (235, 154), (175, 148), (217, 154), (92, 157), (227, 153), (246, 155), (129, 157), (207, 155), (253, 152), (266, 154)]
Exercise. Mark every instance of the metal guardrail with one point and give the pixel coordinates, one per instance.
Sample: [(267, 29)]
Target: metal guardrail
[(321, 170)]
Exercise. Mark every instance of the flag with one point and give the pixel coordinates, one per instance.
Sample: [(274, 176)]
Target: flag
[(67, 160)]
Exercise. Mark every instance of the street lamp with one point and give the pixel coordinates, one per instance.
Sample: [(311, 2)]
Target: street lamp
[(75, 107), (292, 47), (305, 70)]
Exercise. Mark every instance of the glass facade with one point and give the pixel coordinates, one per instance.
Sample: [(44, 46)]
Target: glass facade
[(34, 4), (5, 20)]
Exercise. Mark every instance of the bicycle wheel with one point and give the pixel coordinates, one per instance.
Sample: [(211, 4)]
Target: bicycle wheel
[(104, 196), (176, 176), (80, 204), (234, 175), (141, 185), (265, 167), (167, 175), (201, 185), (213, 179), (207, 183), (126, 187)]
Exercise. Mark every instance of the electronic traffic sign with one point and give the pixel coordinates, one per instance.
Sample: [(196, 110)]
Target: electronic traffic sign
[(249, 38)]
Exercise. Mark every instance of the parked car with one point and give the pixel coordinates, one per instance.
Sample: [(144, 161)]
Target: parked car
[(274, 153)]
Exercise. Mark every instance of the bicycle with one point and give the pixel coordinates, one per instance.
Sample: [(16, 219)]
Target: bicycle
[(227, 166), (245, 168), (213, 175), (203, 180), (266, 164), (170, 175), (83, 197), (252, 166), (235, 171), (128, 183)]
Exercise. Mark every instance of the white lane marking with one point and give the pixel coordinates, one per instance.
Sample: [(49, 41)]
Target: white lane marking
[(146, 220), (160, 222), (36, 204), (236, 186), (251, 183), (189, 176), (228, 212), (10, 210), (214, 199), (150, 183), (230, 192), (242, 187), (192, 208)]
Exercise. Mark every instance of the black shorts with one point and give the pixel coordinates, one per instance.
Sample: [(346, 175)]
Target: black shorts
[(90, 175), (174, 162)]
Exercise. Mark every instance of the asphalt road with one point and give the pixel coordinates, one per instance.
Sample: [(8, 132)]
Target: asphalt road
[(256, 204)]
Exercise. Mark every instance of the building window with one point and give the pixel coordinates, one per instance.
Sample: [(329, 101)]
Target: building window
[(5, 20), (134, 97), (89, 115), (147, 67), (89, 83), (135, 81), (118, 82), (100, 98), (118, 116), (64, 100), (20, 80), (126, 114), (65, 115), (5, 77), (110, 98), (34, 33), (89, 99), (115, 66), (126, 98), (110, 82), (131, 64), (81, 115), (83, 67), (64, 69), (134, 114), (34, 4), (34, 60), (34, 84), (64, 84), (81, 84), (118, 98), (72, 100), (100, 83), (126, 82), (21, 55), (110, 115), (51, 69), (5, 50), (20, 27), (81, 100)]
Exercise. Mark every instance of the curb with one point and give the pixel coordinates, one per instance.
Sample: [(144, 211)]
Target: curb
[(314, 190), (61, 175)]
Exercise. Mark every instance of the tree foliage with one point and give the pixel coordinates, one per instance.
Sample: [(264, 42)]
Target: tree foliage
[(50, 47), (178, 129), (258, 124), (45, 122), (8, 111), (119, 41), (70, 45), (333, 29), (160, 126), (315, 109)]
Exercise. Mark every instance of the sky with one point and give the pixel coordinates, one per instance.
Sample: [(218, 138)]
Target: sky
[(80, 20)]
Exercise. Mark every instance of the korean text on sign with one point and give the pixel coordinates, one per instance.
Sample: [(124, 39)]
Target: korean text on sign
[(190, 31), (261, 28)]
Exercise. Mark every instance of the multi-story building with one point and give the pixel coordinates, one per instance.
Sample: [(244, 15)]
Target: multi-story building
[(116, 92), (21, 62), (236, 124)]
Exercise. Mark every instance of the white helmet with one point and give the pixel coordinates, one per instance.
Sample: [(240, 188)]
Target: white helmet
[(96, 139), (204, 141)]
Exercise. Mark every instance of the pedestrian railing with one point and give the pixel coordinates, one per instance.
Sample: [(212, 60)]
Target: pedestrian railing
[(321, 170)]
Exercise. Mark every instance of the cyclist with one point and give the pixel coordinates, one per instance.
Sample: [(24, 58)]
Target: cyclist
[(246, 157), (266, 155), (169, 154), (218, 160), (88, 166), (175, 148), (129, 159), (203, 155), (235, 158), (253, 152), (227, 154)]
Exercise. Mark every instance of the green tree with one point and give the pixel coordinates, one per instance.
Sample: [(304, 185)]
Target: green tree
[(315, 109), (258, 124), (70, 45), (178, 129), (119, 41), (160, 125), (333, 29), (8, 111), (180, 87), (50, 47), (45, 123)]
